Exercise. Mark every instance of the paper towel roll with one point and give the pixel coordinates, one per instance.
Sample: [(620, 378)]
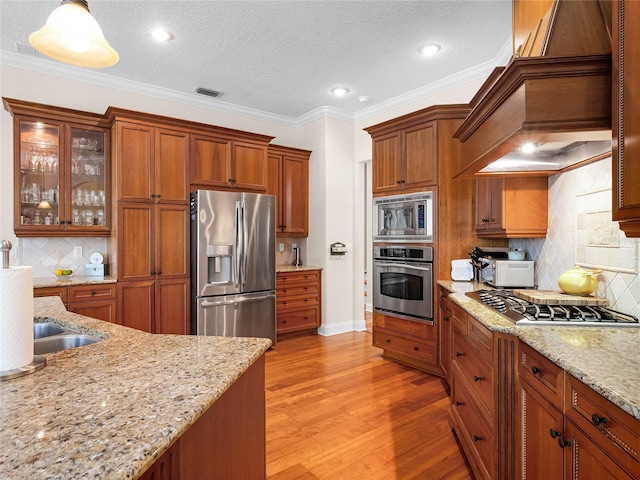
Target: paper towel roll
[(16, 317)]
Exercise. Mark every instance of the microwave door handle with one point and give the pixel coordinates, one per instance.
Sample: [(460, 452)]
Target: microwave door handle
[(403, 265)]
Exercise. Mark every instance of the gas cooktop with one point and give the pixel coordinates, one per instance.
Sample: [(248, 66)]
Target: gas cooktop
[(523, 312)]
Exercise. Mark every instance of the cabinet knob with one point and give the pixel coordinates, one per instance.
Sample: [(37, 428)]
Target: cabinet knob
[(388, 340), (476, 378), (458, 404), (416, 348), (563, 443), (536, 370), (446, 319), (459, 354), (232, 180), (93, 293), (476, 438), (485, 220), (597, 420), (554, 433)]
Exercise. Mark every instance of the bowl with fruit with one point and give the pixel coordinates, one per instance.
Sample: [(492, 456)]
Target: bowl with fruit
[(63, 274)]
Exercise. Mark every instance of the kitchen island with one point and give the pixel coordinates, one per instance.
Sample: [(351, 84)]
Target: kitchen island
[(606, 359), (110, 410)]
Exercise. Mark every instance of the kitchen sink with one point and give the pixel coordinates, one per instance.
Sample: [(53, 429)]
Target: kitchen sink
[(49, 337), (61, 342), (46, 329)]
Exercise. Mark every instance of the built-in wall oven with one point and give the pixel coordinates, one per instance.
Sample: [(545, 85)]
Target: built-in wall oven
[(403, 282)]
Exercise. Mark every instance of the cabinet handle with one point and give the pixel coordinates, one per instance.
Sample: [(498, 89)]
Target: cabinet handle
[(388, 340), (459, 354), (563, 443), (476, 378), (232, 180), (93, 293), (446, 319), (459, 404), (596, 420), (416, 348), (554, 433), (536, 370), (485, 220), (476, 438)]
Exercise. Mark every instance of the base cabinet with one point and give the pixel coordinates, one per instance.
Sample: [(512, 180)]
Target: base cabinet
[(407, 341), (445, 335), (96, 301), (298, 301), (227, 441)]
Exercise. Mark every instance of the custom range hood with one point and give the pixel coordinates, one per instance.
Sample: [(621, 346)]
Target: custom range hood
[(549, 109)]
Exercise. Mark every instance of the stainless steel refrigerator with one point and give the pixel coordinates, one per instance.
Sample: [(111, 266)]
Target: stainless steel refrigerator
[(233, 264)]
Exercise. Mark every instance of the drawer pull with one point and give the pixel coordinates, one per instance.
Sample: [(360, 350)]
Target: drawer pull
[(459, 404), (446, 319), (459, 354), (596, 420), (563, 443), (416, 348), (554, 433), (476, 438), (388, 340), (536, 370), (476, 378)]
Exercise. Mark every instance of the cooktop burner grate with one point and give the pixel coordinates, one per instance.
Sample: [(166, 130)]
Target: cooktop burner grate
[(523, 312)]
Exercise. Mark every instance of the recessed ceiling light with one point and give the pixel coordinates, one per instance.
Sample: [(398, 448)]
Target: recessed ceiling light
[(528, 148), (340, 91), (429, 49), (161, 34), (363, 99)]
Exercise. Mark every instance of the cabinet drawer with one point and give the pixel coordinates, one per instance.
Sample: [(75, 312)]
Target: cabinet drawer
[(458, 318), (425, 350), (481, 337), (61, 292), (418, 329), (541, 373), (477, 371), (615, 431), (296, 302), (297, 291), (83, 293), (298, 320), (478, 434), (308, 277)]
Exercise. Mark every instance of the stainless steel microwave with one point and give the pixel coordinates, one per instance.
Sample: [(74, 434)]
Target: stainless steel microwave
[(403, 218)]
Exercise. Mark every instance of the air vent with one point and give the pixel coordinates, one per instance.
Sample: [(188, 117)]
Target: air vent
[(27, 50), (210, 93)]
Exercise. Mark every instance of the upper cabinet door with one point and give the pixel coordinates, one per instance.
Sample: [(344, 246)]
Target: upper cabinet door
[(387, 165), (420, 156), (626, 121), (209, 160), (248, 166), (135, 162), (295, 196), (171, 179)]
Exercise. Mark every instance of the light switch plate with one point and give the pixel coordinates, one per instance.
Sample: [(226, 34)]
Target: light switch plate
[(281, 247)]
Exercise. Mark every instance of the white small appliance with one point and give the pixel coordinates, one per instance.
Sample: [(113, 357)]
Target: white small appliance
[(508, 273)]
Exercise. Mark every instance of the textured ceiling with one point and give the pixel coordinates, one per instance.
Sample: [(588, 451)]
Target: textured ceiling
[(282, 57)]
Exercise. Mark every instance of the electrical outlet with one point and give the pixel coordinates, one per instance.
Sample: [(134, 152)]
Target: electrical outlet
[(294, 246), (77, 251), (281, 247)]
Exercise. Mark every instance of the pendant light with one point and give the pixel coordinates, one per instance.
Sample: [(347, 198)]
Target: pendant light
[(71, 35)]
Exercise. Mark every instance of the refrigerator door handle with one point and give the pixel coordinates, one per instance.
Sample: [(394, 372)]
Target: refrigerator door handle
[(245, 229), (237, 246), (246, 299)]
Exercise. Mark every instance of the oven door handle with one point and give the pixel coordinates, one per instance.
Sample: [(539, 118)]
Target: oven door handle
[(402, 265)]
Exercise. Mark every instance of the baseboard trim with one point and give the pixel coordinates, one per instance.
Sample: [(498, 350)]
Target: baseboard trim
[(343, 327)]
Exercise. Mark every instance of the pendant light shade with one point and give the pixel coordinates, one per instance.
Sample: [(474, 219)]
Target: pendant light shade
[(71, 35)]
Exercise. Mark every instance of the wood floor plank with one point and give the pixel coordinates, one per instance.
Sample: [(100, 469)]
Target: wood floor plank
[(337, 410)]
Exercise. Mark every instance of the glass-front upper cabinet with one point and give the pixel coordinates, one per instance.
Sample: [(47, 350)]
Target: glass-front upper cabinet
[(61, 176)]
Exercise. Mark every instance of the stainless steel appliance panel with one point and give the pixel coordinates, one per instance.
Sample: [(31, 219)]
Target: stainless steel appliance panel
[(258, 266), (245, 315), (403, 218)]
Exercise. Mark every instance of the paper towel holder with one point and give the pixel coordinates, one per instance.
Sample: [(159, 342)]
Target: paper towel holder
[(5, 246)]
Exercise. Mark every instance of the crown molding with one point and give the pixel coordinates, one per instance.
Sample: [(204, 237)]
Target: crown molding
[(43, 65)]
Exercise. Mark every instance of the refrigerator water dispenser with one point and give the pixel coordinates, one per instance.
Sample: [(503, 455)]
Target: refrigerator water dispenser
[(220, 270)]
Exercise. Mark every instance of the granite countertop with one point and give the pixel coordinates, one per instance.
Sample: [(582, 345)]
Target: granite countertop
[(291, 268), (43, 282), (606, 359), (108, 410)]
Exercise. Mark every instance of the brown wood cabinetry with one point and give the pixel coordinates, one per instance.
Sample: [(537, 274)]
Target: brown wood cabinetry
[(93, 300), (152, 225), (405, 159), (626, 117), (407, 341), (288, 180), (298, 301), (61, 171), (445, 337), (227, 441), (228, 164), (482, 406), (512, 207), (579, 433)]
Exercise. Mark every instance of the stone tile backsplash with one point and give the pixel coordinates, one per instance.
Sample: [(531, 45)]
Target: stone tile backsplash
[(46, 254), (286, 257), (581, 233)]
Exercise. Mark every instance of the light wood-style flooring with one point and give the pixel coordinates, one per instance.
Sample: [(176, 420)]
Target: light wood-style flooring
[(337, 410)]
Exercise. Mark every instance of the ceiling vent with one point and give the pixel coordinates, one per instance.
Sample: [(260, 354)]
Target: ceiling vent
[(209, 93), (27, 50)]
